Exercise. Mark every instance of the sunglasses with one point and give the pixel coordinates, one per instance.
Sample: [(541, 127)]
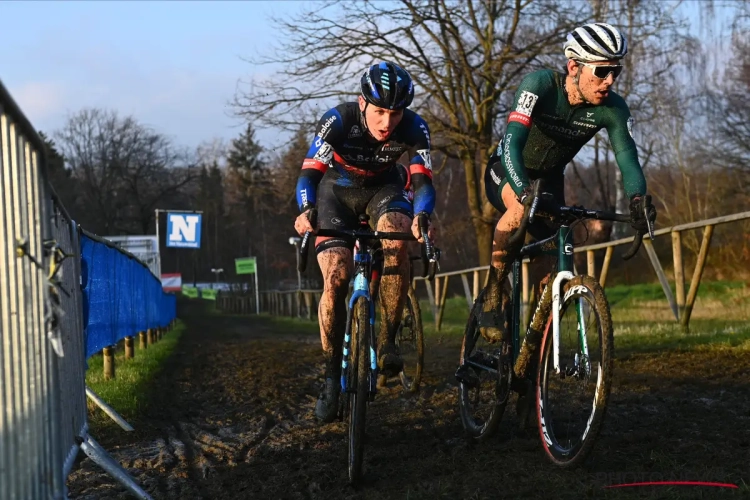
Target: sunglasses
[(603, 71)]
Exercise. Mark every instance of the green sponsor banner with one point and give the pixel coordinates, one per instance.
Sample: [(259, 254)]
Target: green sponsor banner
[(245, 265), (209, 293), (190, 291)]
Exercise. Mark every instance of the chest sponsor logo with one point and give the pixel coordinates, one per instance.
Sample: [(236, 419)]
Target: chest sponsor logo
[(583, 124), (561, 130), (355, 132), (387, 148), (365, 159)]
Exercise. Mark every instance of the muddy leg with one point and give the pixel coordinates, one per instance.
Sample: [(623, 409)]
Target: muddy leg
[(336, 266), (394, 285), (501, 256)]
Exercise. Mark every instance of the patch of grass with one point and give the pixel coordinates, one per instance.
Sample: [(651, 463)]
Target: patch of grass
[(621, 295), (296, 325), (127, 392), (656, 337)]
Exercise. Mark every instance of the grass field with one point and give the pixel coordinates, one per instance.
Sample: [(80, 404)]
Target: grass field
[(642, 318), (127, 392)]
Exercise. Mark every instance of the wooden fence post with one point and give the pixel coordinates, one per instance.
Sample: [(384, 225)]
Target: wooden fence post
[(109, 363), (679, 272), (697, 273), (605, 266), (129, 348)]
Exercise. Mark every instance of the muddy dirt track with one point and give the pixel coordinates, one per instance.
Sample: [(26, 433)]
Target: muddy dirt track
[(230, 417)]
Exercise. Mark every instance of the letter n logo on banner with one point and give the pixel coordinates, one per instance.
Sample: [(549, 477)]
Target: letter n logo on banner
[(183, 230)]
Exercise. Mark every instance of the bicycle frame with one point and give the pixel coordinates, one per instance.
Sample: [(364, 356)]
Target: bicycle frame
[(362, 274), (550, 298)]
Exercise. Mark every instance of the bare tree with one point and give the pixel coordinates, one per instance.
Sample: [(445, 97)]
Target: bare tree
[(466, 58), (123, 169), (728, 104)]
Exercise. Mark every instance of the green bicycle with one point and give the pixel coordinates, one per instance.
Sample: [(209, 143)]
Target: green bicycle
[(565, 361)]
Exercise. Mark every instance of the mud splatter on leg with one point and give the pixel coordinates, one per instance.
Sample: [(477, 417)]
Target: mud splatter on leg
[(336, 267), (395, 280)]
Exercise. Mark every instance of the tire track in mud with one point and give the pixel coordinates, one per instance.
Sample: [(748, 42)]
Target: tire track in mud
[(231, 417)]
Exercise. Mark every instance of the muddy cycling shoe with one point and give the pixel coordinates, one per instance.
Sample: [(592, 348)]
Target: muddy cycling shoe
[(490, 327), (327, 405), (389, 360)]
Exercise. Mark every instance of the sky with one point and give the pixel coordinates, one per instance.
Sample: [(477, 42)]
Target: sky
[(173, 65)]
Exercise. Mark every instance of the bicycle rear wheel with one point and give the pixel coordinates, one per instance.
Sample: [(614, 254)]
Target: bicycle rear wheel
[(360, 388), (410, 343), (568, 420), (482, 403)]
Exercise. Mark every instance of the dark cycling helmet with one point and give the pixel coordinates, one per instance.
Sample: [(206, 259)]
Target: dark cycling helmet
[(387, 85)]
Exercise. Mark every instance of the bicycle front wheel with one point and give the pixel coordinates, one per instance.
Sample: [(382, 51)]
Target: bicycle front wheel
[(360, 388), (410, 343), (572, 400)]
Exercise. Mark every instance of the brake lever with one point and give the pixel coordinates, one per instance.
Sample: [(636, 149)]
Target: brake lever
[(302, 263), (648, 223)]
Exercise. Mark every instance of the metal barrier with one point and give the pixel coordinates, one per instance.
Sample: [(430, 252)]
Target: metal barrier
[(43, 414), (71, 366), (30, 456), (301, 303)]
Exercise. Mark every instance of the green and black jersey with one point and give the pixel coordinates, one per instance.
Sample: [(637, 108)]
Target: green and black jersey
[(545, 132)]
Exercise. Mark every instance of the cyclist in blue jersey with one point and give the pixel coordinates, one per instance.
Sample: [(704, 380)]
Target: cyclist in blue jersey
[(351, 170)]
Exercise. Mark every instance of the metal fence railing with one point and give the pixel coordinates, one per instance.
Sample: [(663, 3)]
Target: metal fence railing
[(51, 297), (71, 366), (30, 455), (303, 303)]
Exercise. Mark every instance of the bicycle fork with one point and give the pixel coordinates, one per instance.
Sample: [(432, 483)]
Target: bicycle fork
[(348, 373)]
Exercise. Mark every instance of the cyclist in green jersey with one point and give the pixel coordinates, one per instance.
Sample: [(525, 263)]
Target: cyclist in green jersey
[(553, 116)]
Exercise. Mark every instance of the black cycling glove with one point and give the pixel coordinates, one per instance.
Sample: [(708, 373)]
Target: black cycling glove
[(640, 208)]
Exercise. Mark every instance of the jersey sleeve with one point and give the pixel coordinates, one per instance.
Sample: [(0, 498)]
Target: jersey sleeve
[(619, 125), (510, 150), (420, 167), (327, 134)]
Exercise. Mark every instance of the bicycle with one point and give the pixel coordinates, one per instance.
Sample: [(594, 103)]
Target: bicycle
[(507, 365), (359, 367)]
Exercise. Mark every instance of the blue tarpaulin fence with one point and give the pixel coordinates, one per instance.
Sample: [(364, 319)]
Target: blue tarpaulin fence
[(121, 296)]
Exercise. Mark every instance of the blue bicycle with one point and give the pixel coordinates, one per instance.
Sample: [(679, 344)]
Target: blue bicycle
[(359, 373)]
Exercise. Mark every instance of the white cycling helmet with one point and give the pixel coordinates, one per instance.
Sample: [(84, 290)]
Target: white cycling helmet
[(595, 42)]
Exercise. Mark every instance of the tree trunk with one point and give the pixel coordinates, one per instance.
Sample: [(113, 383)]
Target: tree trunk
[(481, 210)]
